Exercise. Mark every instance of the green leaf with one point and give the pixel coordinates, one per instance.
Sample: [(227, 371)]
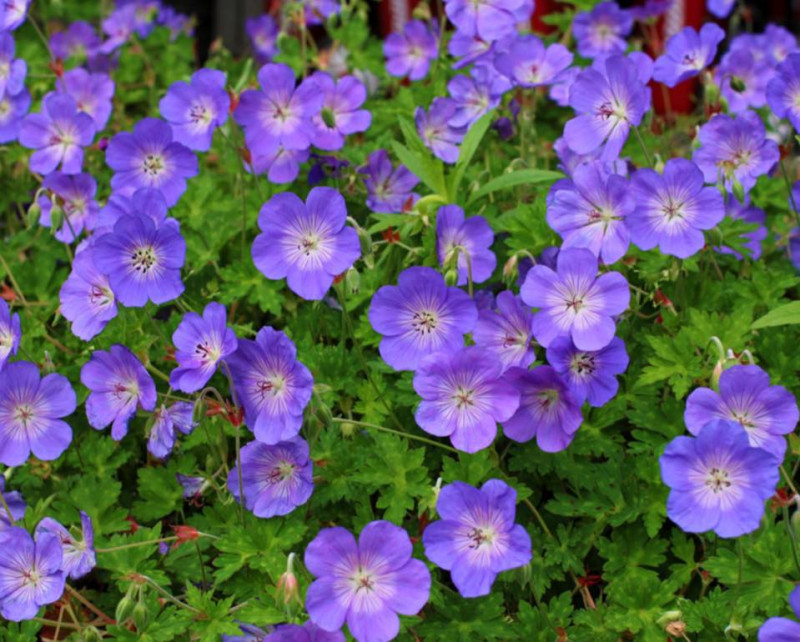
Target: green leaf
[(512, 179), (159, 492), (423, 166), (788, 314), (467, 150)]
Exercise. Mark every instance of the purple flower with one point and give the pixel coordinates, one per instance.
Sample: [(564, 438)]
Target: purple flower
[(781, 629), (388, 188), (58, 135), (192, 486), (9, 333), (779, 42), (506, 332), (651, 9), (30, 572), (31, 409), (574, 301), (476, 94), (591, 211), (263, 34), (78, 554), (466, 243), (93, 93), (149, 157), (590, 375), (15, 503), (735, 149), (275, 479), (559, 89), (195, 109), (530, 64), (178, 417), (602, 31), (118, 383), (340, 115), (79, 40), (476, 537), (673, 209), (436, 131), (742, 80), (307, 243), (176, 22), (86, 297), (273, 386), (12, 14), (74, 194), (783, 90), (608, 100), (490, 20), (469, 48), (718, 481), (279, 114), (280, 164), (464, 397), (12, 111), (750, 214), (766, 412), (118, 27), (419, 316), (317, 11), (308, 632), (410, 53), (687, 54), (201, 342), (366, 583), (720, 8), (143, 261), (547, 409), (12, 70)]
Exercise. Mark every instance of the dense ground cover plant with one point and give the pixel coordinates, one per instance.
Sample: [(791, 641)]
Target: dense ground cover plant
[(445, 337)]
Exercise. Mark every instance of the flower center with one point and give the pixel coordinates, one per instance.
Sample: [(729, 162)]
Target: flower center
[(271, 386), (199, 114), (362, 580), (463, 397), (31, 576), (207, 352), (603, 31), (5, 340), (718, 480), (481, 537), (424, 322), (690, 61), (511, 340), (282, 113), (283, 471), (5, 107), (62, 136), (308, 244), (5, 69), (582, 363), (328, 117), (153, 165), (548, 398), (143, 259), (129, 389), (744, 419), (24, 414), (575, 303), (672, 210), (100, 296)]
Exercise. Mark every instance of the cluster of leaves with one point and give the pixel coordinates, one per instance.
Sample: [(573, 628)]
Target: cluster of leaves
[(607, 563)]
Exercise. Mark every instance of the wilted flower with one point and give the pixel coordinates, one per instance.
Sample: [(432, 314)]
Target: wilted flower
[(118, 384), (718, 481), (419, 316), (367, 583), (476, 537), (168, 421)]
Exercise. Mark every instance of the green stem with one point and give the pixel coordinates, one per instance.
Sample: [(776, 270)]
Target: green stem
[(157, 372), (792, 537), (150, 542), (643, 146), (170, 596), (232, 387), (14, 283), (7, 509), (788, 184), (425, 440)]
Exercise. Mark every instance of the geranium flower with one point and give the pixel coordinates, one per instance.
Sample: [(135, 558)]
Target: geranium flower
[(10, 333), (168, 421), (507, 332), (476, 537), (436, 131), (687, 53), (12, 70), (74, 193), (602, 31), (388, 188), (341, 114), (411, 52), (15, 503), (86, 297), (78, 554), (195, 109), (590, 374), (365, 583), (530, 64), (93, 93), (783, 90), (781, 629), (467, 241)]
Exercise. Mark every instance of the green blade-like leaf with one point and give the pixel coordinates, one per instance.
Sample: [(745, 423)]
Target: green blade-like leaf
[(425, 167), (468, 148), (512, 179), (788, 314)]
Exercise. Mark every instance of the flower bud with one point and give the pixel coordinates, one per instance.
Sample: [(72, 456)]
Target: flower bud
[(365, 239), (125, 608), (91, 634), (451, 276), (510, 269), (288, 586), (676, 629), (352, 281), (347, 429), (56, 216), (738, 190), (34, 212), (140, 616)]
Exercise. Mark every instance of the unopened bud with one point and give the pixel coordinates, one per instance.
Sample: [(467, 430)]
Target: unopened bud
[(669, 616), (451, 276), (510, 269), (365, 239), (91, 634), (347, 429), (56, 216), (716, 374), (676, 629), (737, 84), (34, 213), (140, 616), (125, 608), (422, 12), (288, 586), (186, 533), (352, 281), (738, 190)]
